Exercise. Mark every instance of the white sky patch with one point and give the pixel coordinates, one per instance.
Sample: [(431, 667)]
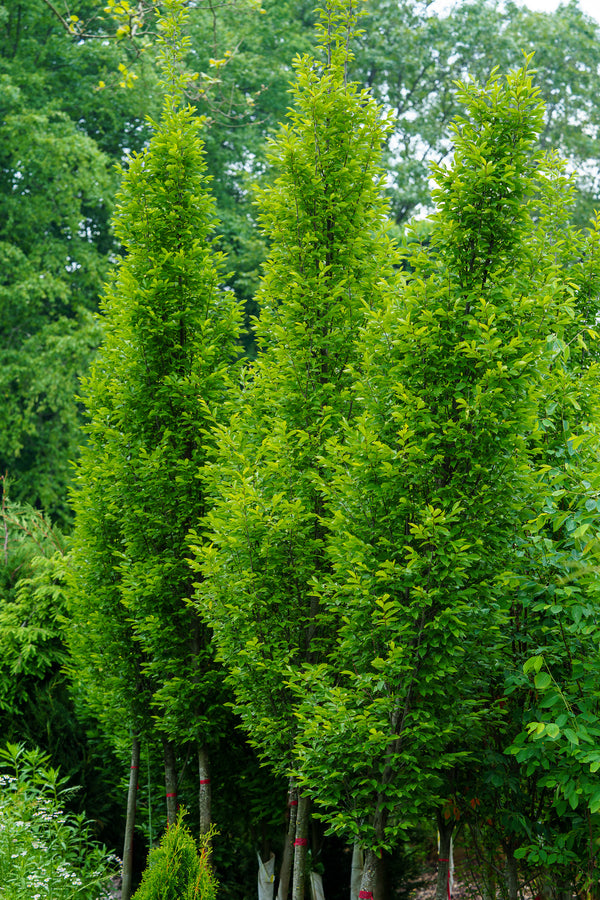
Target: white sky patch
[(590, 7)]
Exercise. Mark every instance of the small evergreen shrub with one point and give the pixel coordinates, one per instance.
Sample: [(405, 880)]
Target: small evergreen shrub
[(178, 869)]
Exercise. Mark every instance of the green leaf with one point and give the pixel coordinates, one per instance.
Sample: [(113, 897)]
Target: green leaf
[(542, 680)]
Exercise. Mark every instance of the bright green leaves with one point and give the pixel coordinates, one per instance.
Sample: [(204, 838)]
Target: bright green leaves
[(155, 390), (492, 172), (430, 486), (174, 45), (330, 260)]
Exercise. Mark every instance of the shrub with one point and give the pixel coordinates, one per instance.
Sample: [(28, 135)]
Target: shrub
[(178, 869)]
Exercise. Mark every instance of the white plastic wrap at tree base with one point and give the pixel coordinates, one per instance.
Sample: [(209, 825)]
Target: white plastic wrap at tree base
[(316, 887), (358, 862), (450, 866), (266, 877)]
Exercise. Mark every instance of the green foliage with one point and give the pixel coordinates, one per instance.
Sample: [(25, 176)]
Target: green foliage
[(329, 256), (556, 589), (32, 603), (67, 114), (431, 486), (56, 190), (411, 57), (179, 869), (45, 852), (153, 394)]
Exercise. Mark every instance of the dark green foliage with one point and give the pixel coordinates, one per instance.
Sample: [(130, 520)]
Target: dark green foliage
[(32, 604), (56, 193)]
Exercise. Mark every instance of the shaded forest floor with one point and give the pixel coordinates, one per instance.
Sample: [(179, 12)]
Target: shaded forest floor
[(464, 888), (425, 889)]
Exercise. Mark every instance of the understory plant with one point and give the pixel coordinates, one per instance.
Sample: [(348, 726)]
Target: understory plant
[(45, 852)]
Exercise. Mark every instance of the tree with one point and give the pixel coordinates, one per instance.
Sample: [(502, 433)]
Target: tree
[(153, 394), (429, 484), (178, 869), (329, 258), (56, 194)]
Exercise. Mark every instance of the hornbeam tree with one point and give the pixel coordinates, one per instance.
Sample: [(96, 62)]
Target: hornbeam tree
[(432, 482), (330, 260), (170, 334)]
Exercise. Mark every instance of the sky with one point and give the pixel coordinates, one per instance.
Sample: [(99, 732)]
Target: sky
[(591, 7)]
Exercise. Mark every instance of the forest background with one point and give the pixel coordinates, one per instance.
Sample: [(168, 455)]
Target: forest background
[(76, 87)]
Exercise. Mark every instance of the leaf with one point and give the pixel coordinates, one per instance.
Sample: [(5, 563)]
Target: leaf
[(542, 680), (571, 736), (535, 663)]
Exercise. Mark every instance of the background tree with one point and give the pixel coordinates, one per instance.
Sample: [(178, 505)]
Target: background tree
[(56, 192)]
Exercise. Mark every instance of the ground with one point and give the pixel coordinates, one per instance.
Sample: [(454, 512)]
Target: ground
[(427, 885)]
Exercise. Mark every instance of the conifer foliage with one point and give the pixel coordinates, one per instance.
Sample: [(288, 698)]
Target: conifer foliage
[(178, 869)]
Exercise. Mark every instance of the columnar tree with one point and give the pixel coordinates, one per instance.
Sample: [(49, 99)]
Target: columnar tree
[(159, 380), (433, 480), (330, 260)]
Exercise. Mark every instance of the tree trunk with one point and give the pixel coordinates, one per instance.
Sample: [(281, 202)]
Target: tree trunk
[(369, 875), (356, 871), (170, 781), (445, 830), (204, 794), (512, 875), (381, 879), (288, 847), (300, 848), (488, 887), (130, 822)]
